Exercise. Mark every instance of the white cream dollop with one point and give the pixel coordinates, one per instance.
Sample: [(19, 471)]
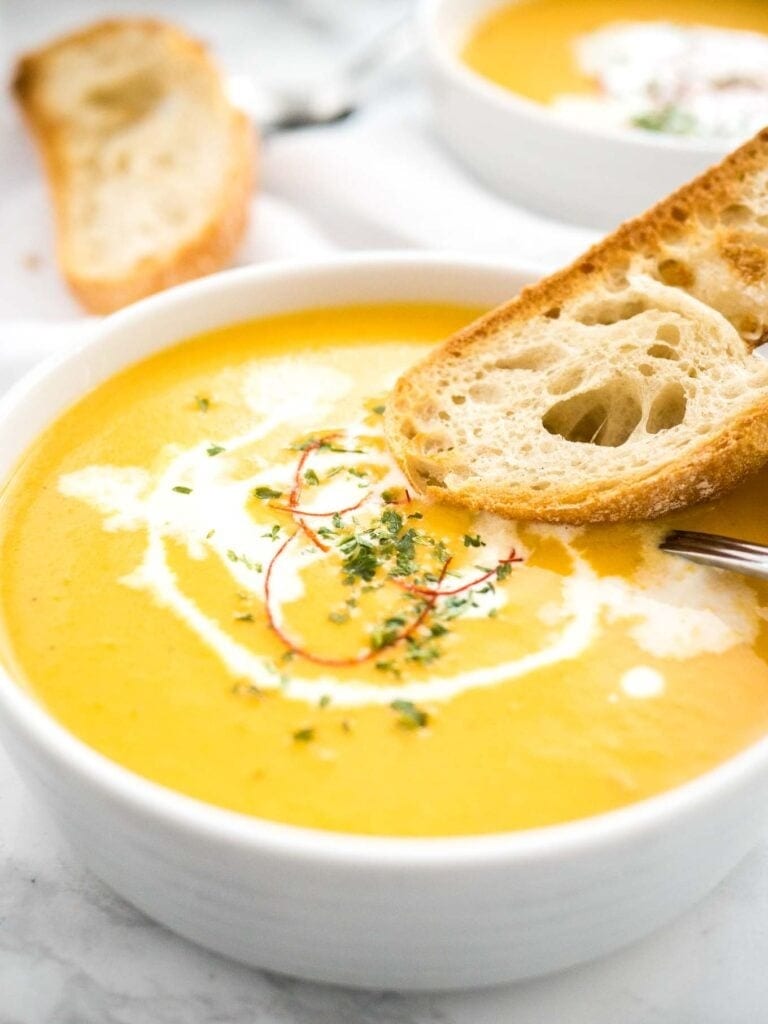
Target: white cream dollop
[(680, 79)]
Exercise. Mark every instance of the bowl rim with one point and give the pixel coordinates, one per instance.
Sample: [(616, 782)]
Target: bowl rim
[(447, 60), (25, 716)]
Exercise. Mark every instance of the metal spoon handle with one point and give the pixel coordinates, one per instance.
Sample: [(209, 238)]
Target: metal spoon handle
[(332, 97)]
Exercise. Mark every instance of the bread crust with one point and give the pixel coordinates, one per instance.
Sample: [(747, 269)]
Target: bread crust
[(210, 249), (722, 458)]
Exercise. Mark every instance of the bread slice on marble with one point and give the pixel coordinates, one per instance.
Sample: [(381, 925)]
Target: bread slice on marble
[(622, 387)]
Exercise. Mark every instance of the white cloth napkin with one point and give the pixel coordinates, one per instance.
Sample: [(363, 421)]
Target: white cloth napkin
[(379, 181)]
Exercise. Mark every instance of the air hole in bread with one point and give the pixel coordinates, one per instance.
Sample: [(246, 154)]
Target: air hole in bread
[(536, 358), (676, 273), (672, 234), (646, 369), (605, 416), (442, 415), (125, 100), (748, 326), (432, 446), (707, 218), (667, 409), (553, 313), (458, 399), (662, 351), (568, 380), (679, 214), (670, 334), (617, 281), (736, 213), (608, 313)]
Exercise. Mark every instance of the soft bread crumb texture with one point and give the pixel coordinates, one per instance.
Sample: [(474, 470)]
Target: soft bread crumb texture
[(622, 387), (150, 167)]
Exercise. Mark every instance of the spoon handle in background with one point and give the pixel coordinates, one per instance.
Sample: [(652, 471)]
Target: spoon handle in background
[(332, 97)]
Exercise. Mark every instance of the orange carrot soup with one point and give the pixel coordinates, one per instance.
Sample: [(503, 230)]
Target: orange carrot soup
[(214, 574)]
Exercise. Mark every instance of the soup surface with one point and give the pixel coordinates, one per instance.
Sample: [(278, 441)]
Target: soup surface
[(213, 573), (692, 67)]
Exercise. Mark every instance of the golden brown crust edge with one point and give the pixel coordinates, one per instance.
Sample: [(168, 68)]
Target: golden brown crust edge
[(720, 462), (211, 250), (642, 234)]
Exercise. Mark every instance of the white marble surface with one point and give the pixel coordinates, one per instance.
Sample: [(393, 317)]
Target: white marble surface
[(70, 951)]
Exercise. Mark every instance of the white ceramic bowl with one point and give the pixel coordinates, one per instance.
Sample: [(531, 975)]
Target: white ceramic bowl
[(531, 156), (383, 912)]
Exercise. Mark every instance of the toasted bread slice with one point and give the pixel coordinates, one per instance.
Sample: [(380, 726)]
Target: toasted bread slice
[(621, 387), (150, 167)]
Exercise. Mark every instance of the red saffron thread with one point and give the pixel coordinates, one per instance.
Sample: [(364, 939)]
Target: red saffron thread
[(430, 594), (319, 659), (415, 588), (293, 497), (322, 515)]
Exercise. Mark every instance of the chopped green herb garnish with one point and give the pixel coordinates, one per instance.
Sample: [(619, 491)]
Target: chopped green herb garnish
[(441, 552), (209, 534), (324, 701), (386, 634), (503, 571), (265, 493), (215, 449), (203, 404), (392, 520), (304, 735), (339, 618), (421, 652), (669, 119), (182, 490), (388, 666), (273, 533), (473, 541), (253, 566), (378, 409), (243, 617), (411, 716)]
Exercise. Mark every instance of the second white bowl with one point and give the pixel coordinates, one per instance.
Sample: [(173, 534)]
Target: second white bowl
[(586, 176)]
